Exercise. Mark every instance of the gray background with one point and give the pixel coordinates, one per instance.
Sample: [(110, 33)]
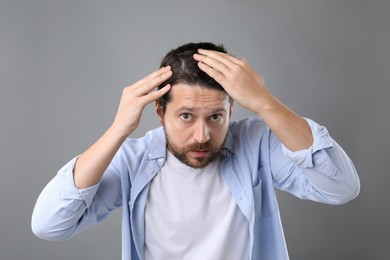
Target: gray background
[(63, 65)]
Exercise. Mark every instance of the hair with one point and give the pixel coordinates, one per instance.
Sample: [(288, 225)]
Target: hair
[(185, 69)]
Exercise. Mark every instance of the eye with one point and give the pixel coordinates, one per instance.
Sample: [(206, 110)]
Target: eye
[(186, 116), (215, 117)]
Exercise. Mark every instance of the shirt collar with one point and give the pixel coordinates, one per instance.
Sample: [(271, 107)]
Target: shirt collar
[(228, 146), (158, 146)]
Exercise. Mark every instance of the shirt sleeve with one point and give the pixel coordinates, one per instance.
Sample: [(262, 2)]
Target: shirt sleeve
[(67, 189), (321, 141), (62, 210), (323, 172)]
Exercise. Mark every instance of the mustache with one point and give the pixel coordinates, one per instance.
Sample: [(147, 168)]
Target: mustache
[(201, 147)]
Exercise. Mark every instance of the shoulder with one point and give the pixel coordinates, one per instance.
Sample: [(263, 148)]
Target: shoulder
[(133, 150), (246, 134), (251, 125), (143, 143)]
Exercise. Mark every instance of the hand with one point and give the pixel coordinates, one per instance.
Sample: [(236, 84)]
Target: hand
[(247, 87), (237, 77), (136, 97)]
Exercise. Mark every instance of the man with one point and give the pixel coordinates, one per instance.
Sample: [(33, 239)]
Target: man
[(200, 186)]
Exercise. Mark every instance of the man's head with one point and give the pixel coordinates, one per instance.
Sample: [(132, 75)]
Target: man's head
[(185, 69), (196, 111)]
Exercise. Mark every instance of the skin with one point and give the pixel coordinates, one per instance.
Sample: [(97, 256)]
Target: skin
[(90, 165), (196, 121), (237, 78), (247, 88)]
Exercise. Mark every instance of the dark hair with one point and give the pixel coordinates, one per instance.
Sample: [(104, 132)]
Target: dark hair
[(185, 68)]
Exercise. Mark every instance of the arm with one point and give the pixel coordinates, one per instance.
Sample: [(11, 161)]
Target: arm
[(247, 87), (309, 166), (91, 165), (62, 210), (88, 188), (322, 173)]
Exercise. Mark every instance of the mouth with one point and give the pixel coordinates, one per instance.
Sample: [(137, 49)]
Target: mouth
[(199, 153)]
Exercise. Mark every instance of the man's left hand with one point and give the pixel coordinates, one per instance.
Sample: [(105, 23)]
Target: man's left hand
[(237, 77)]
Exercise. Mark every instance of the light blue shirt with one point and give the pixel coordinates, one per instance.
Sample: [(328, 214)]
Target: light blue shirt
[(253, 162)]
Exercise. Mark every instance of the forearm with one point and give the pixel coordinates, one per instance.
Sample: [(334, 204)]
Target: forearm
[(91, 165), (291, 129), (338, 185), (247, 88), (59, 212)]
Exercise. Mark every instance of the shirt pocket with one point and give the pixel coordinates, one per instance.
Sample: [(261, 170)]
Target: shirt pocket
[(263, 195)]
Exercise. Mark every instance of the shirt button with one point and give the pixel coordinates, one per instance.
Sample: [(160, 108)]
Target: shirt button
[(161, 160), (149, 155)]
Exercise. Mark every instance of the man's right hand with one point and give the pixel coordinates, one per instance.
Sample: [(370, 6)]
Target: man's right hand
[(136, 97), (90, 165)]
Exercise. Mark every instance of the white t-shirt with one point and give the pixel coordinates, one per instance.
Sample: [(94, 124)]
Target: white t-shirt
[(190, 215)]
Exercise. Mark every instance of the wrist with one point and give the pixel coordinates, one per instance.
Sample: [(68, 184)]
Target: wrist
[(119, 132), (267, 106)]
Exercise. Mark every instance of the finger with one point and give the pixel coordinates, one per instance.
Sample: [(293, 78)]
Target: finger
[(153, 96), (157, 73), (215, 74), (147, 84), (221, 56), (154, 75), (219, 65)]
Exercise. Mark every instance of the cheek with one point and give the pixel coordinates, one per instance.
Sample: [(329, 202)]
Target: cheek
[(178, 134)]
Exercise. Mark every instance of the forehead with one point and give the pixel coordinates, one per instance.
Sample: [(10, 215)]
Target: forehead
[(197, 97)]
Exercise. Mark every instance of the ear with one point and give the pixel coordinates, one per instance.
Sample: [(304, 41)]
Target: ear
[(159, 112), (231, 108)]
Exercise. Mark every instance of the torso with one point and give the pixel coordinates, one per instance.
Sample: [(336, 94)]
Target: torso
[(190, 214)]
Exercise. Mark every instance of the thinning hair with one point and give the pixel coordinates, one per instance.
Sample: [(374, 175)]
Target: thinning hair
[(185, 68)]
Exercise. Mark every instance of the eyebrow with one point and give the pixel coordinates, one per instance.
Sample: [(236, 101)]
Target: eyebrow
[(195, 109)]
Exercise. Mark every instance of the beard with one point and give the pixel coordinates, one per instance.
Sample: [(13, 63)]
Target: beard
[(182, 153)]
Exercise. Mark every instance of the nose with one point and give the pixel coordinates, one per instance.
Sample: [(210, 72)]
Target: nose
[(202, 132)]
